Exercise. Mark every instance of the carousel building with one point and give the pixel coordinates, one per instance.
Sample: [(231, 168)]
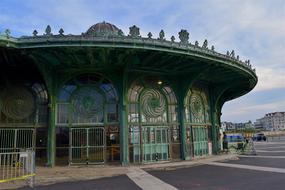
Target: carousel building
[(106, 97)]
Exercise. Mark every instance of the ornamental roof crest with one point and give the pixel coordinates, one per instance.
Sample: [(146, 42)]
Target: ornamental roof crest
[(104, 29)]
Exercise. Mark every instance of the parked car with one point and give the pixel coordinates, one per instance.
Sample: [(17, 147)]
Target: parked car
[(259, 137)]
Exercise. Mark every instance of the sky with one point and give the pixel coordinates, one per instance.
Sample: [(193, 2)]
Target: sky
[(255, 29)]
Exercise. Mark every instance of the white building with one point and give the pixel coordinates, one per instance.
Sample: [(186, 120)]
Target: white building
[(271, 121), (227, 126)]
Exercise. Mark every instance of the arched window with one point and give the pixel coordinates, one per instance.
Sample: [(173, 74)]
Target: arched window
[(152, 120), (87, 121), (87, 100), (197, 107), (197, 121), (25, 104)]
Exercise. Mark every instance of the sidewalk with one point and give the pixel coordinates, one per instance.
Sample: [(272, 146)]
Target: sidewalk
[(45, 176)]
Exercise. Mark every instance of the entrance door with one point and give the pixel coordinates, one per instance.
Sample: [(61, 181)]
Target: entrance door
[(150, 144), (87, 145), (200, 135), (155, 143), (14, 140)]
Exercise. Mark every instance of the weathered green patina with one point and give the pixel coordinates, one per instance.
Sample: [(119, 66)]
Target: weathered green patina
[(163, 87)]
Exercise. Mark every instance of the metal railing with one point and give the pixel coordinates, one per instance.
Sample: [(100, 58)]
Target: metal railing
[(17, 165)]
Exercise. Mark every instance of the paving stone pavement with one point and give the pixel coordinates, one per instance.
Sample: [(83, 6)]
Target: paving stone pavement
[(46, 176)]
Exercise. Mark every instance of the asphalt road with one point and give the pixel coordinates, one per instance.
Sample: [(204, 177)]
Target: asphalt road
[(270, 156), (220, 178), (119, 183)]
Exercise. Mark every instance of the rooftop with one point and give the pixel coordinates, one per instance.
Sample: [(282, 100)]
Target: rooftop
[(107, 32)]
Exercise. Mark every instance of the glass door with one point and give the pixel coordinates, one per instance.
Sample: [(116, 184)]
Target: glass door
[(200, 138), (155, 143)]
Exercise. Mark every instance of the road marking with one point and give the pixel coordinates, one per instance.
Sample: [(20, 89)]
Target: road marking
[(258, 150), (259, 156), (268, 143), (248, 167), (269, 147), (146, 181)]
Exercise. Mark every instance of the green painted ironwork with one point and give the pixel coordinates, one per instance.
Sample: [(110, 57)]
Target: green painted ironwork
[(152, 114), (198, 121), (18, 103), (124, 132), (87, 100), (87, 104), (155, 143), (150, 105), (200, 140)]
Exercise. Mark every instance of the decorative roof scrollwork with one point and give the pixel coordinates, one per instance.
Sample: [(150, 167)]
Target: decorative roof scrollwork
[(35, 33), (61, 31), (48, 31), (232, 55), (134, 32), (161, 35), (184, 36), (108, 31), (205, 44), (7, 33)]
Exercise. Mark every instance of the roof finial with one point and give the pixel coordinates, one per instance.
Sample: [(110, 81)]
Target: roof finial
[(205, 44), (232, 54), (35, 33), (161, 35), (7, 33), (61, 31), (184, 36), (48, 30), (134, 31)]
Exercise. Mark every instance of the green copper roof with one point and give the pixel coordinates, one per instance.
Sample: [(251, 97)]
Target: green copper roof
[(108, 35)]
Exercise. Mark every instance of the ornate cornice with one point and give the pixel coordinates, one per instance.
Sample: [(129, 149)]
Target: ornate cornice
[(114, 37)]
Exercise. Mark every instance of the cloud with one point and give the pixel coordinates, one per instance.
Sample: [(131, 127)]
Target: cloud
[(244, 112), (270, 78), (255, 29), (253, 108)]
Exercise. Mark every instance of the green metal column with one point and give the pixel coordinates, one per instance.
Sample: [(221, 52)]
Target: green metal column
[(218, 126), (51, 133), (185, 154), (213, 116), (124, 132)]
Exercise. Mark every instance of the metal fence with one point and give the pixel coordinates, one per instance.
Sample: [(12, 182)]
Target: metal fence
[(17, 165), (88, 145), (13, 140)]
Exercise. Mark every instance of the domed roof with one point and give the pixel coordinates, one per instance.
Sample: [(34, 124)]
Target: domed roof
[(104, 29)]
